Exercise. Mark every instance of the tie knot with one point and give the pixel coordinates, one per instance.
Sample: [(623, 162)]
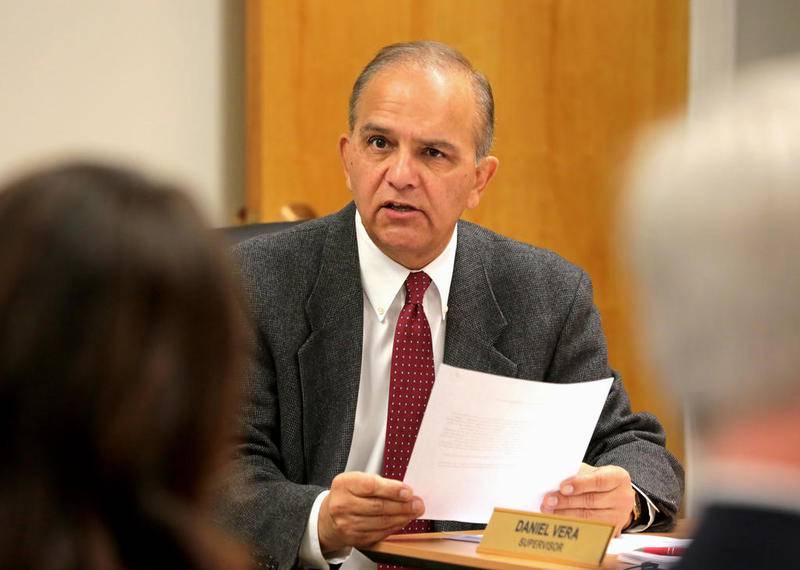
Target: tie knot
[(416, 284)]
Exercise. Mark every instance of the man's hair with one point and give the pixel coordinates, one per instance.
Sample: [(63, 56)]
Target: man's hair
[(441, 56), (715, 239)]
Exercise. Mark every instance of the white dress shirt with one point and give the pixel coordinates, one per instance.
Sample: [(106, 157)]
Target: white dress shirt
[(383, 282)]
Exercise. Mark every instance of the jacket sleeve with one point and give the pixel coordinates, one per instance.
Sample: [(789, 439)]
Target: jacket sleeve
[(633, 441), (259, 503), (264, 498)]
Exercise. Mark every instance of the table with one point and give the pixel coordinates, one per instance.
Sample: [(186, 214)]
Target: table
[(434, 553)]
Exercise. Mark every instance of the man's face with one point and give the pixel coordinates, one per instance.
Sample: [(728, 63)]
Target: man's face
[(410, 160)]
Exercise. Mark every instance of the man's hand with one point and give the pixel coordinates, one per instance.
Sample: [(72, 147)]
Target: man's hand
[(363, 508), (598, 493)]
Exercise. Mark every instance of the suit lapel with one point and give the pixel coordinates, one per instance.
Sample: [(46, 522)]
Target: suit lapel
[(474, 319), (330, 359)]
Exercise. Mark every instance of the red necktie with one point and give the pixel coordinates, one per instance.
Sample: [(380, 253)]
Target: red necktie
[(410, 385)]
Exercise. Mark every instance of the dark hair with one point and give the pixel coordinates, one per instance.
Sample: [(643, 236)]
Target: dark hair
[(121, 337), (428, 53)]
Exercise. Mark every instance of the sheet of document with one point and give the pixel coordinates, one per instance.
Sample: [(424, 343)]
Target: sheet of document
[(631, 542), (488, 441), (626, 548)]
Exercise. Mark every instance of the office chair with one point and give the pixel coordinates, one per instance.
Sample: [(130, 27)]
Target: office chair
[(236, 234)]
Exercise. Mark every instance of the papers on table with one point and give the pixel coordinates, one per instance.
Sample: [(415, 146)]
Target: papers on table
[(488, 441), (630, 542), (476, 538), (626, 548)]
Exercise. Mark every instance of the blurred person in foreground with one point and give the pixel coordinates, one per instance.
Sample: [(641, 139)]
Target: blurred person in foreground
[(714, 217), (120, 343)]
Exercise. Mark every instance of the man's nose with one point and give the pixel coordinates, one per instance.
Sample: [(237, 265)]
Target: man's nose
[(403, 171)]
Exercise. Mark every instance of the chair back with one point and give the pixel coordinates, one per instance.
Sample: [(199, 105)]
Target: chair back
[(236, 234)]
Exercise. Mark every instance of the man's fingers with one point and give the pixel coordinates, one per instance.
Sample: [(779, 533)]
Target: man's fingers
[(362, 508), (386, 507), (383, 507), (363, 494), (555, 502), (600, 480), (346, 504), (600, 493), (371, 485), (379, 524), (355, 530)]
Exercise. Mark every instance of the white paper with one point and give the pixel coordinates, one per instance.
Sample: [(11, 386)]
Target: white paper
[(626, 548), (631, 542), (489, 441)]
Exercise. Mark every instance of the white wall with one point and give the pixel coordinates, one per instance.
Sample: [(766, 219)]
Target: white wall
[(160, 83), (727, 36), (156, 83), (712, 47), (766, 28)]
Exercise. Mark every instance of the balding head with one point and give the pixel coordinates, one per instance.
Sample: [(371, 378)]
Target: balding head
[(427, 54)]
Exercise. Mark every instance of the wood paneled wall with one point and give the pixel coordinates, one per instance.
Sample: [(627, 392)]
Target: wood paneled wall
[(574, 81)]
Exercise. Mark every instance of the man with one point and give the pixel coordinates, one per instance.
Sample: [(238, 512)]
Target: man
[(336, 299), (716, 241)]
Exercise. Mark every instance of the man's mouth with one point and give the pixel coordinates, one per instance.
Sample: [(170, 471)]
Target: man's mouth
[(397, 207)]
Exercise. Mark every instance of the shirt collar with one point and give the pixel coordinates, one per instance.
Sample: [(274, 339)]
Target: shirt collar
[(382, 277)]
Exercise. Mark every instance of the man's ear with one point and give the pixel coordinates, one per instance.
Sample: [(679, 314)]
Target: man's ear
[(344, 156), (484, 171)]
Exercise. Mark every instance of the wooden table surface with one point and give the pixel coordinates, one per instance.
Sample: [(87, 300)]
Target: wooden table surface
[(435, 553)]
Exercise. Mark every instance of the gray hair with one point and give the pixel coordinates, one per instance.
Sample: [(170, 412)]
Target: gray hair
[(439, 55), (714, 238)]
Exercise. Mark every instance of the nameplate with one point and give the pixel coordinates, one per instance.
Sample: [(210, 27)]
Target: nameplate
[(546, 537)]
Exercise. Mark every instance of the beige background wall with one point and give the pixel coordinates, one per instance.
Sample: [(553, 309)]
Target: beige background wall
[(156, 82), (729, 35), (160, 81)]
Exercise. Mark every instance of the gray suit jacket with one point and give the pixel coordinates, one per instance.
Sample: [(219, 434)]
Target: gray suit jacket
[(514, 310)]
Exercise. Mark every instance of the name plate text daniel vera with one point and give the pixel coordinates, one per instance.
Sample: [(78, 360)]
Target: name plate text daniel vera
[(546, 537)]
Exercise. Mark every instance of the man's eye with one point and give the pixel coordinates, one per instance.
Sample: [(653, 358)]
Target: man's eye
[(433, 153), (378, 142)]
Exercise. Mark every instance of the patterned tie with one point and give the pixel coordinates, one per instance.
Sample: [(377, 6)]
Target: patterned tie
[(410, 386)]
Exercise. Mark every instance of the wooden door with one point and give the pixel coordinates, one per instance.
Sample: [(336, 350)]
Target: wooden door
[(573, 80)]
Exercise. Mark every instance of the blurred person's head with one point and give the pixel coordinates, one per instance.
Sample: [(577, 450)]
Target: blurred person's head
[(120, 346), (714, 216)]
